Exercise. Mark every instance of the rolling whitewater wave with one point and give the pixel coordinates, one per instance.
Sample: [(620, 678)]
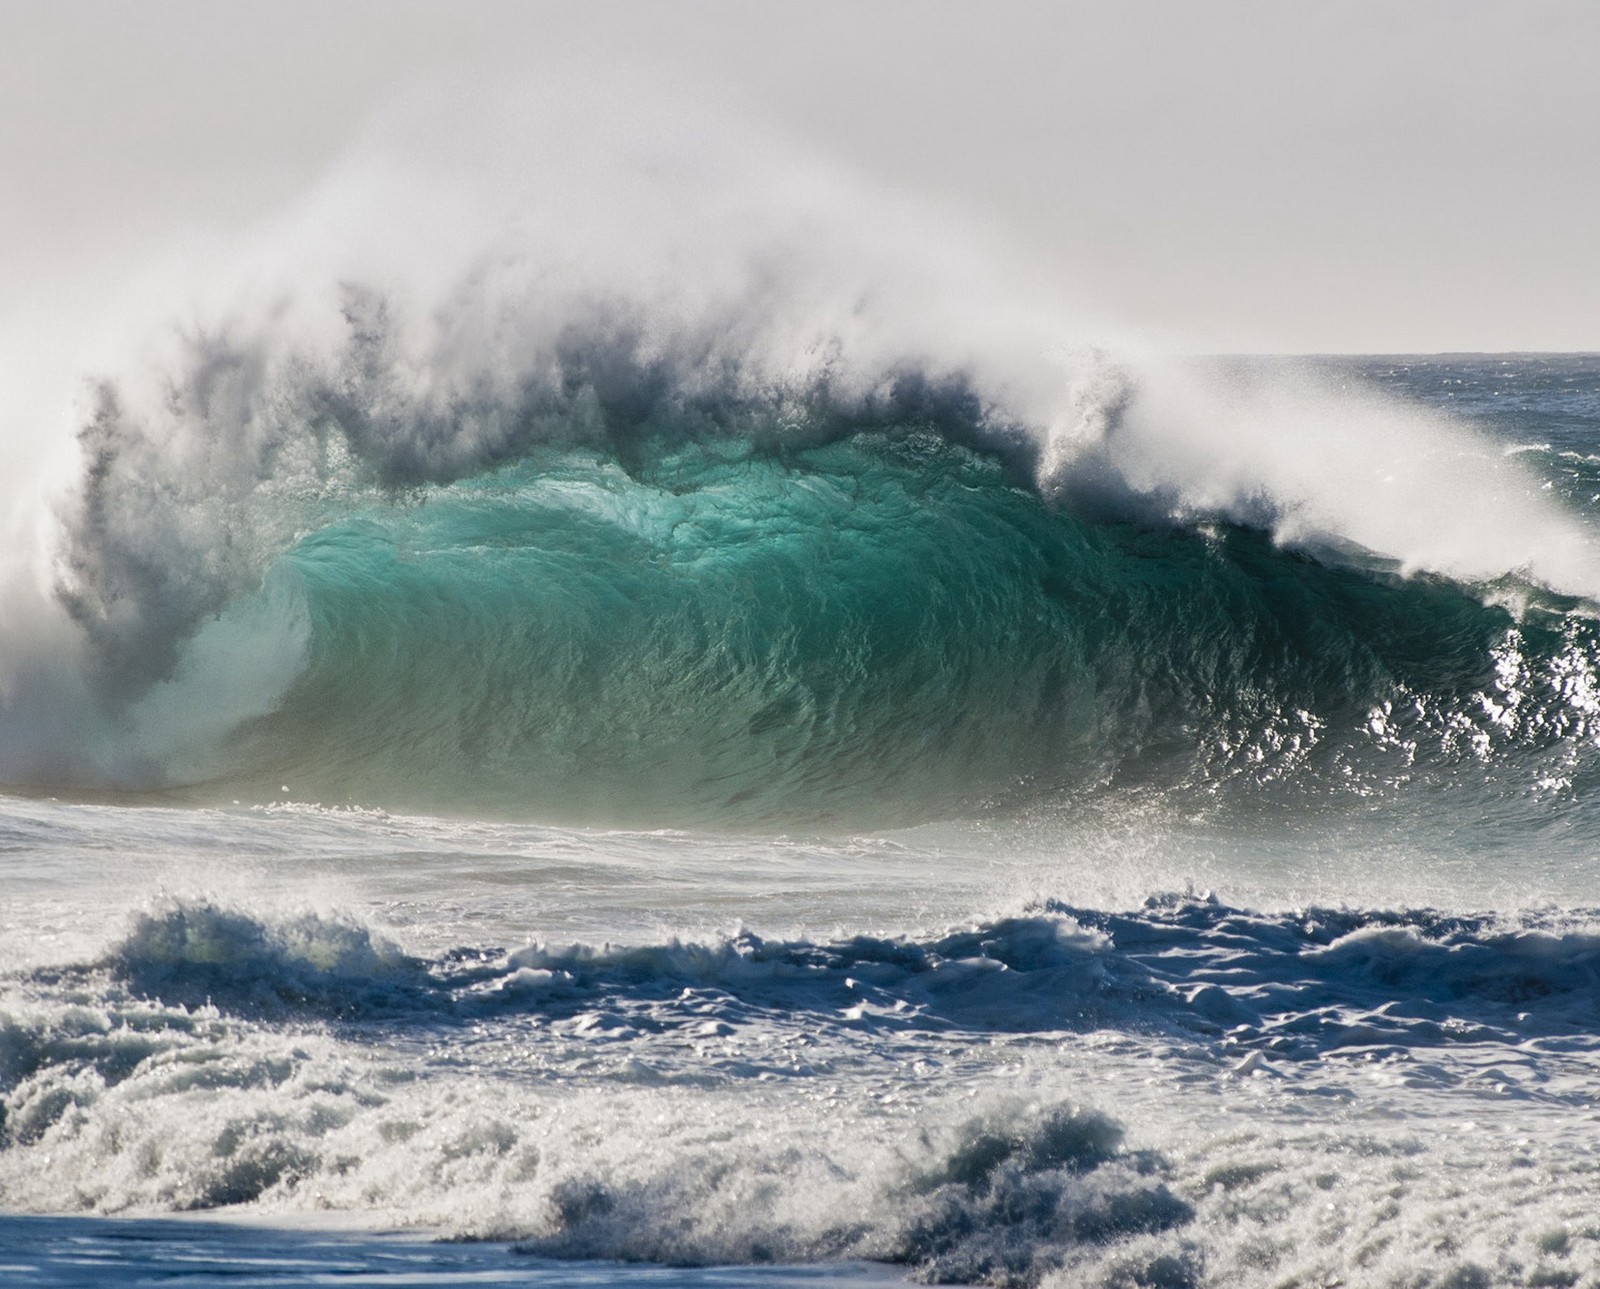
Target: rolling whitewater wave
[(1292, 986), (213, 1058)]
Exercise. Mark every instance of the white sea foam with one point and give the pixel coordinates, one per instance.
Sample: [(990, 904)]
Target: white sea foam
[(1185, 1094)]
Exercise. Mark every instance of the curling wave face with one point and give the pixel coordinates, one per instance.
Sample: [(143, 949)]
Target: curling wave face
[(723, 632), (619, 573)]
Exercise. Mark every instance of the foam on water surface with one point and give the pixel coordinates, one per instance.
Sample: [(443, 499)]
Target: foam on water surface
[(1185, 1093)]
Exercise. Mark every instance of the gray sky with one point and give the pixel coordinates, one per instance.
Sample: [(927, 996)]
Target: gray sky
[(1279, 176)]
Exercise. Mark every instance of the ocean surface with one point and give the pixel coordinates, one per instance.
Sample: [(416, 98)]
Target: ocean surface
[(611, 818)]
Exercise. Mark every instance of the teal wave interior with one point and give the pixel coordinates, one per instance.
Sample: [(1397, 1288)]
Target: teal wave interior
[(888, 627)]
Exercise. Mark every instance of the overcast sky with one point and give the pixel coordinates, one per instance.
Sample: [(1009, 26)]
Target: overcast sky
[(1403, 176)]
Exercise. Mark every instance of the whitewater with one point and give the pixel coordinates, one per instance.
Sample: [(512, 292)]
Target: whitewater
[(738, 769)]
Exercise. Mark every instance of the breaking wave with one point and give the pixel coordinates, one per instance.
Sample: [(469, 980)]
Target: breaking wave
[(584, 563)]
